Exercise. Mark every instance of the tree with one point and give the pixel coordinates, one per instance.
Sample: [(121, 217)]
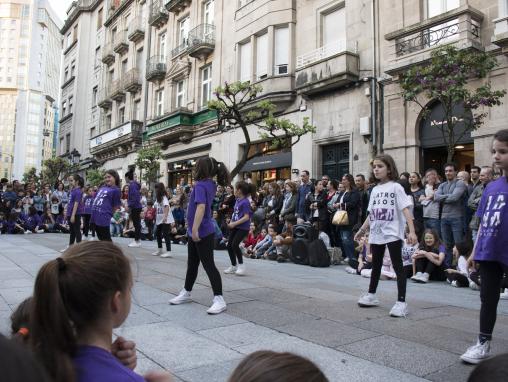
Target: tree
[(54, 170), (31, 176), (94, 177), (148, 163), (238, 104), (445, 79)]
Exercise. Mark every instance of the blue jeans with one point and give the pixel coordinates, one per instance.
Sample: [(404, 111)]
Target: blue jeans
[(452, 230), (432, 223), (348, 245), (115, 229)]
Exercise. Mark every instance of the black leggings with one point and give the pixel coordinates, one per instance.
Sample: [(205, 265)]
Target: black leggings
[(87, 226), (136, 221), (491, 274), (378, 252), (103, 233), (75, 229), (163, 230), (202, 251), (236, 236), (462, 280)]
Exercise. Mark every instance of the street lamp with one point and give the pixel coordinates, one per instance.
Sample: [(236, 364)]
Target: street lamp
[(74, 156)]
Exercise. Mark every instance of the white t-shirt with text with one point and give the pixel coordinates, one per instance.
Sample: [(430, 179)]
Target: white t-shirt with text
[(159, 211), (387, 222)]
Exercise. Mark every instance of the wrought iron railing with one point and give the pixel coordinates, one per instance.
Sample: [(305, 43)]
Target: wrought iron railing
[(131, 78), (157, 10), (180, 48), (326, 51), (156, 65), (202, 34)]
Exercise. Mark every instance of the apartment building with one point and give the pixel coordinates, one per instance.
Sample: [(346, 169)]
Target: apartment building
[(122, 92), (83, 41), (29, 75), (467, 24)]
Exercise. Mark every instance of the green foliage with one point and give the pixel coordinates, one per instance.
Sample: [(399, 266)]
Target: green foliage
[(31, 176), (238, 105), (148, 162), (445, 79), (54, 170), (94, 177)]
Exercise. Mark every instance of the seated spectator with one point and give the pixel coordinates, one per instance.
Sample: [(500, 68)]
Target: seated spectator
[(224, 227), (18, 207), (116, 225), (428, 259), (150, 217), (269, 366), (3, 223), (220, 242), (282, 242), (364, 257), (261, 249), (48, 222), (128, 231), (408, 251), (61, 222), (387, 271), (13, 225), (32, 222), (180, 234), (459, 277), (250, 241)]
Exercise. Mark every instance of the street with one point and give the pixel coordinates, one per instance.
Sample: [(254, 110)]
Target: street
[(282, 307)]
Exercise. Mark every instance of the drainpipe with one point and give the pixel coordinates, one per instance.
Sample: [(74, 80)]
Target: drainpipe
[(145, 89), (373, 81)]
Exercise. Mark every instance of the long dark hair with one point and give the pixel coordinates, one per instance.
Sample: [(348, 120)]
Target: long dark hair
[(160, 192), (351, 180), (70, 295), (207, 168), (501, 136), (115, 175), (393, 174), (78, 179), (245, 188)]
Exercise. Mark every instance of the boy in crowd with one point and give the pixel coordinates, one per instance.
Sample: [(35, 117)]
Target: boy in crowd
[(283, 241)]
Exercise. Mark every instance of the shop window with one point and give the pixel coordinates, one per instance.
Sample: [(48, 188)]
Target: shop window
[(281, 51)]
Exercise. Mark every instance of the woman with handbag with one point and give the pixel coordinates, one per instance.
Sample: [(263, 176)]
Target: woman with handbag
[(331, 199), (274, 205), (348, 204), (315, 204)]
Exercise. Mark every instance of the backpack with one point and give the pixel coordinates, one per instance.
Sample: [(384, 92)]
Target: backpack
[(300, 251), (318, 254)]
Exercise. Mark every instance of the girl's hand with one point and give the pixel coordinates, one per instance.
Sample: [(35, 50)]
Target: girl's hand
[(158, 376), (231, 226), (73, 219), (412, 239), (125, 352), (195, 236), (359, 235)]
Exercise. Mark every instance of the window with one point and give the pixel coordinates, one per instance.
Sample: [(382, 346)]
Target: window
[(97, 60), (68, 40), (67, 143), (262, 56), (334, 26), (159, 107), (73, 68), (436, 7), (75, 33), (136, 111), (70, 104), (180, 94), (208, 12), (113, 34), (281, 50), (61, 145), (162, 45), (94, 96), (124, 67), (121, 115), (64, 108), (139, 59), (99, 19), (183, 30), (245, 62), (206, 85), (92, 131), (66, 74)]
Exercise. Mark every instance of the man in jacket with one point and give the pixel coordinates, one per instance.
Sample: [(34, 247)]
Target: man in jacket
[(450, 194), (303, 190), (475, 197)]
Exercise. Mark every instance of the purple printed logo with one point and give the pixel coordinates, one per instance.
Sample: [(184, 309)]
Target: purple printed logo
[(383, 214)]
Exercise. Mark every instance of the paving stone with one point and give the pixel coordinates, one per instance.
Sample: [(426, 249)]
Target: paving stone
[(144, 295), (145, 365), (403, 355), (218, 372), (14, 296), (459, 372), (166, 283), (269, 295), (469, 325), (140, 316), (16, 283), (204, 296), (5, 322)]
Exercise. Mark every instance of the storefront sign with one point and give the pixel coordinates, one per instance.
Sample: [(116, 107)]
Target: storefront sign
[(268, 162), (111, 135)]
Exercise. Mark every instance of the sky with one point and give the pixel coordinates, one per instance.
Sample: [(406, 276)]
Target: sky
[(60, 6)]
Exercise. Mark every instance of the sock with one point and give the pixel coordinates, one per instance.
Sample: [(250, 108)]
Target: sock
[(484, 337)]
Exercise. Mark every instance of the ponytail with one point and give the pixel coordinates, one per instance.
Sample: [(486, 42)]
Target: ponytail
[(208, 167), (78, 179), (223, 176)]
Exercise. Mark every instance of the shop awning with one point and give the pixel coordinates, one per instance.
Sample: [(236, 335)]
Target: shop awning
[(266, 162)]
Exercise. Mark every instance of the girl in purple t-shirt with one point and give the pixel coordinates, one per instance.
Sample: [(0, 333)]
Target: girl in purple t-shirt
[(88, 197), (490, 249), (75, 208), (107, 200), (78, 300), (201, 231), (239, 227)]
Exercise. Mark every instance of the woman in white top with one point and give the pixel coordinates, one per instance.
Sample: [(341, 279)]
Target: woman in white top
[(164, 220)]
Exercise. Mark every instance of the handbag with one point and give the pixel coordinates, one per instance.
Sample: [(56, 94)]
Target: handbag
[(340, 218)]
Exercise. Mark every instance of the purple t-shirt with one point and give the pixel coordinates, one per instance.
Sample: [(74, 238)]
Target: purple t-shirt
[(134, 197), (492, 242), (87, 204), (107, 199), (242, 207), (76, 196), (94, 364), (202, 193), (31, 222)]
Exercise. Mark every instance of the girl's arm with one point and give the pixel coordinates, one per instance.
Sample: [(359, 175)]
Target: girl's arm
[(198, 218), (74, 210), (363, 229), (411, 237), (244, 218), (435, 258)]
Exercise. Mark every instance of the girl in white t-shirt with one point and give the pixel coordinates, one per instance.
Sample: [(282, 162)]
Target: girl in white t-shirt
[(388, 214), (164, 220)]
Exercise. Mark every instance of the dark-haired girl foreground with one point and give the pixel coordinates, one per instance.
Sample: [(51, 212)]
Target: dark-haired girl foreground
[(105, 203), (201, 232)]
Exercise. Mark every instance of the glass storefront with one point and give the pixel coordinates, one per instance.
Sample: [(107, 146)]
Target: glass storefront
[(271, 175), (181, 170)]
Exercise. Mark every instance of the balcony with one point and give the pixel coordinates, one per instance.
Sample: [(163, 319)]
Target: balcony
[(136, 30), (330, 67), (413, 45), (104, 98), (108, 54), (180, 49), (132, 80), (156, 68), (201, 41), (158, 14), (117, 142), (176, 6), (121, 44), (117, 90), (278, 89)]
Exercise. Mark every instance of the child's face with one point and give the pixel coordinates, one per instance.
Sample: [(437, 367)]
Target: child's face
[(263, 232), (215, 215), (252, 227), (271, 231), (429, 239), (380, 170), (500, 154)]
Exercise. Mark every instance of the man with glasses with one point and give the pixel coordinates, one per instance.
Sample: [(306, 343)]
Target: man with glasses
[(325, 179)]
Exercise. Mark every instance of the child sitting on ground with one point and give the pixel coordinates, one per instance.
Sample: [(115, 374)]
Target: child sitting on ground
[(428, 259), (387, 271), (408, 251), (364, 257), (250, 241), (261, 248), (459, 277), (61, 222), (13, 225), (282, 242), (116, 225)]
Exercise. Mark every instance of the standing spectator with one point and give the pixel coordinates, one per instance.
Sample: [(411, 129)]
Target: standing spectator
[(415, 182), (47, 193), (290, 199), (404, 176), (61, 194), (451, 194), (39, 202), (468, 214), (218, 199), (331, 202), (134, 207), (144, 197), (316, 206), (475, 197), (348, 201), (305, 188), (274, 204), (226, 208), (10, 195), (431, 207), (475, 176), (364, 195), (325, 179), (27, 202)]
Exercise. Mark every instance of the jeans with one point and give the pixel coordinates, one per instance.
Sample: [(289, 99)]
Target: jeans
[(432, 223), (452, 230), (346, 237), (116, 229)]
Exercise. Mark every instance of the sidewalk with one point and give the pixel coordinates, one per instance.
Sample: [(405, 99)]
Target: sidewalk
[(282, 307)]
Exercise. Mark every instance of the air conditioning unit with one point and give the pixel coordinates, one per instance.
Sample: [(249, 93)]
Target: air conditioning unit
[(281, 69), (365, 126)]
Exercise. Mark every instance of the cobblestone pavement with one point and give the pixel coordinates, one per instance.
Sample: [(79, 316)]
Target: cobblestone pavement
[(310, 311)]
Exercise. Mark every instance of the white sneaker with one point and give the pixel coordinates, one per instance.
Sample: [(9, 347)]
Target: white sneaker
[(27, 232), (474, 286), (416, 277), (425, 278), (64, 249), (477, 353), (504, 295), (230, 270), (166, 255), (40, 231), (157, 252), (240, 271), (218, 306), (350, 270), (134, 244), (399, 309), (182, 298), (454, 284), (368, 299)]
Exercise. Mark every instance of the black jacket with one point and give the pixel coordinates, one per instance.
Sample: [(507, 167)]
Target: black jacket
[(320, 199), (351, 203)]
